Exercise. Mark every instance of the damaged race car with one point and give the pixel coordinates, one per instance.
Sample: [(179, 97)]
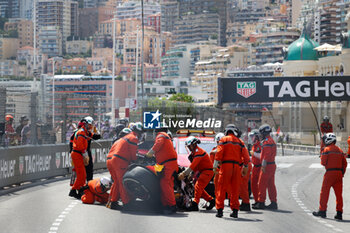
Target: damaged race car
[(142, 179)]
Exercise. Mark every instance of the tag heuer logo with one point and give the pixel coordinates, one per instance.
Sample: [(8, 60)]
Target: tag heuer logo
[(246, 89)]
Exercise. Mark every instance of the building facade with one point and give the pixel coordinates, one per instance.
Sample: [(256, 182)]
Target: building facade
[(24, 29), (303, 60), (50, 41), (9, 8), (132, 9), (61, 14), (8, 48), (78, 46)]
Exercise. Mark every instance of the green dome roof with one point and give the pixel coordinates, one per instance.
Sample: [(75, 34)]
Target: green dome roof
[(302, 49)]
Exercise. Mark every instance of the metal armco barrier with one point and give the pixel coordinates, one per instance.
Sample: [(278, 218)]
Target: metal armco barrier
[(291, 149), (29, 163)]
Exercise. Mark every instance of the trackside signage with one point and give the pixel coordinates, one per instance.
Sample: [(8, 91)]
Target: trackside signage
[(281, 89), (29, 163)]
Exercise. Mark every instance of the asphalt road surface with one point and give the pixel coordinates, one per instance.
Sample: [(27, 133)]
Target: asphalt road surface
[(47, 208)]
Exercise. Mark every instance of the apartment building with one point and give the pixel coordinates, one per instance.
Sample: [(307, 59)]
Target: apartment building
[(78, 46), (61, 14), (90, 18), (270, 43), (50, 41), (132, 9), (155, 46), (176, 63), (9, 8), (24, 29), (169, 15), (8, 48), (196, 27), (207, 71), (121, 26), (26, 55), (332, 20)]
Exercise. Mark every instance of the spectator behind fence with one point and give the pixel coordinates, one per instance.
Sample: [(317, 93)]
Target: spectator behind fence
[(70, 128), (25, 133), (39, 126), (19, 130), (106, 130), (48, 133), (9, 131), (58, 131)]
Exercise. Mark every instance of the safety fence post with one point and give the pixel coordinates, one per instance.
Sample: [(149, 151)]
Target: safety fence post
[(33, 117)]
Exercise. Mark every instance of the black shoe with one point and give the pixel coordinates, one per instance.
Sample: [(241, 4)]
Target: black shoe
[(234, 213), (259, 206), (220, 213), (193, 207), (272, 206), (211, 205), (339, 215), (169, 210), (245, 207), (253, 205), (114, 205), (73, 193), (319, 213)]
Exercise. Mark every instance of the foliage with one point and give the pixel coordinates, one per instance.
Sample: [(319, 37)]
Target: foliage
[(2, 23), (81, 3), (80, 55), (22, 63), (9, 34), (17, 78), (214, 37), (181, 97)]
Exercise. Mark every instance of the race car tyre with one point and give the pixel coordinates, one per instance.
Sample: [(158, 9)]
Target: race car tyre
[(141, 183)]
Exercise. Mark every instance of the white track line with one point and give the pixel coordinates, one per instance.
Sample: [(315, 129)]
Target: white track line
[(59, 220), (316, 165), (284, 165), (294, 192)]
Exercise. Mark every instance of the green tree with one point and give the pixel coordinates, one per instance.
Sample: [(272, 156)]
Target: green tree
[(2, 22), (13, 34), (87, 73), (181, 97)]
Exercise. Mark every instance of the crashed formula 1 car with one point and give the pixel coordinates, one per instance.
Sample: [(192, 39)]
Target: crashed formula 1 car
[(142, 181)]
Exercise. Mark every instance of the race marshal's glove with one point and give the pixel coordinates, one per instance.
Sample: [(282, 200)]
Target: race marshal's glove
[(181, 176), (215, 166), (86, 159), (245, 170), (150, 153)]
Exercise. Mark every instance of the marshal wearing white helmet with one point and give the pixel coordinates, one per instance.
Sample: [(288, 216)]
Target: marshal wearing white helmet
[(93, 134), (333, 159), (97, 190), (200, 162)]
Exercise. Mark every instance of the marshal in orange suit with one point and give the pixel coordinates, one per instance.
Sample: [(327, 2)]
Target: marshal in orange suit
[(333, 159)]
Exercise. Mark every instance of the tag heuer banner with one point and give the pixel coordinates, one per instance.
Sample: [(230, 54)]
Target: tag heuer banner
[(282, 89)]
